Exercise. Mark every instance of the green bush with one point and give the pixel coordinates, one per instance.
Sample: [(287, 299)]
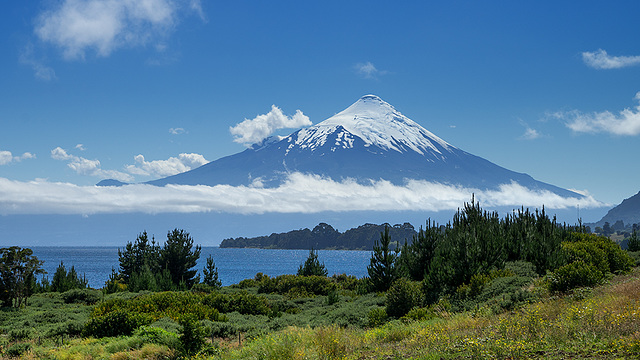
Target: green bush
[(377, 316), (242, 302), (402, 296), (192, 336), (156, 335), (18, 349), (296, 286), (573, 275), (19, 334), (116, 323), (81, 296), (419, 314)]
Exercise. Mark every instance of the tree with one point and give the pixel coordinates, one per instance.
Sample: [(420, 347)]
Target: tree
[(382, 266), (606, 229), (634, 242), (63, 280), (312, 266), (18, 268), (180, 257), (210, 273), (138, 255)]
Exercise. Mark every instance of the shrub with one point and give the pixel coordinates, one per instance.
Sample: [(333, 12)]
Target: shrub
[(377, 316), (192, 337), (81, 296), (420, 314), (403, 295), (242, 302), (19, 334), (573, 275), (116, 323), (155, 335), (312, 266), (295, 286), (18, 349)]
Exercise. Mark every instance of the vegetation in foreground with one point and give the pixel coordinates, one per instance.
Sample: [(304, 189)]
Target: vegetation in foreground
[(479, 287)]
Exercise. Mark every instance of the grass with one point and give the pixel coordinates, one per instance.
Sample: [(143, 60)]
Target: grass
[(603, 323)]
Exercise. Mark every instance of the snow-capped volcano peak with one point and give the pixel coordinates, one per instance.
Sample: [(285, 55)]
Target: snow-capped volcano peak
[(376, 123)]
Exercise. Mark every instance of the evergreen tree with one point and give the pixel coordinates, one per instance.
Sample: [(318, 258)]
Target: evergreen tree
[(382, 266), (634, 242), (180, 257), (210, 273), (312, 266), (416, 257), (64, 280), (138, 255)]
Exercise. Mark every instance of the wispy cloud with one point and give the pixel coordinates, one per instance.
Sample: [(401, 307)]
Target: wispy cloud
[(176, 131), (40, 70), (251, 131), (162, 168), (368, 71), (299, 194), (88, 167), (601, 60), (529, 132), (77, 26), (6, 157), (627, 122)]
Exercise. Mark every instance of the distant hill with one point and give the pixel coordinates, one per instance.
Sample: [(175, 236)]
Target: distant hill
[(324, 236), (628, 212)]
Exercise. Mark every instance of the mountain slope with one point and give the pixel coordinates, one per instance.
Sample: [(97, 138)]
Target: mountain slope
[(628, 211), (368, 140)]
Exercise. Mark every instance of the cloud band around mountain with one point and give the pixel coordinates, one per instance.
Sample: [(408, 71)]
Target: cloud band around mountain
[(299, 194)]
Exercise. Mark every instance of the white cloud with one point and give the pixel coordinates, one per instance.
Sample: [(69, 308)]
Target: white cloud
[(77, 26), (627, 122), (529, 132), (368, 71), (162, 168), (196, 6), (300, 194), (88, 167), (81, 147), (176, 131), (6, 157), (252, 131), (40, 70), (601, 60)]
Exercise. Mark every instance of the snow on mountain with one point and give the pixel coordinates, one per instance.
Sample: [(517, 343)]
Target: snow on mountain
[(370, 140)]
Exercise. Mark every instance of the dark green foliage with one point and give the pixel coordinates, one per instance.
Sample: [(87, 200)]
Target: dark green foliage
[(18, 268), (402, 296), (116, 323), (81, 296), (192, 336), (382, 266), (64, 280), (573, 275), (415, 258), (18, 349), (180, 257), (147, 266), (419, 314), (138, 255), (312, 266), (242, 302), (296, 286), (210, 273), (633, 244)]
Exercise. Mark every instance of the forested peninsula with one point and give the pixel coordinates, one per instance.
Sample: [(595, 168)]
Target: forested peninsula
[(325, 237)]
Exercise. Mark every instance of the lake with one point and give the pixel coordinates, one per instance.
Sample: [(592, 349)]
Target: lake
[(233, 265)]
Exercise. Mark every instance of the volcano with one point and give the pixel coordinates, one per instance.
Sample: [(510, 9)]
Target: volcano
[(370, 140)]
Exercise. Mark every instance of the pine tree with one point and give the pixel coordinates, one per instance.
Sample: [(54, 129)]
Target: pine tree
[(382, 266), (179, 256), (312, 266), (210, 273)]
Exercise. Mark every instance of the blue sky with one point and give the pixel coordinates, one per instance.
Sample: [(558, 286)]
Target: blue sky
[(137, 90)]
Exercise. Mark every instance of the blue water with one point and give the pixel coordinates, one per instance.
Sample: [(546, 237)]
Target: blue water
[(233, 265)]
